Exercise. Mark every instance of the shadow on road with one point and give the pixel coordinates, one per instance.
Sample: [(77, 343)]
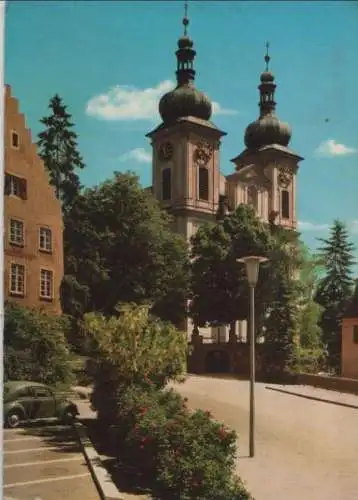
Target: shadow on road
[(63, 438)]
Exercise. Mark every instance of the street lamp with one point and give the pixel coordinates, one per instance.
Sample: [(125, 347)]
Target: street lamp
[(252, 265)]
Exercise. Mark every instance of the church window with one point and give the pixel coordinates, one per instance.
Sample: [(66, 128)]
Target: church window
[(203, 183), (252, 197), (166, 184), (285, 204)]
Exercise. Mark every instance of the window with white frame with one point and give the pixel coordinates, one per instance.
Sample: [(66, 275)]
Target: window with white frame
[(46, 284), (45, 239), (17, 279), (16, 232)]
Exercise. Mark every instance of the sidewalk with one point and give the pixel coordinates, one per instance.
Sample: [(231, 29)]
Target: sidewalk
[(317, 394)]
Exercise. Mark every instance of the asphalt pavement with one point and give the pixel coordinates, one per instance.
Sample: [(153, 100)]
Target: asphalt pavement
[(45, 463)]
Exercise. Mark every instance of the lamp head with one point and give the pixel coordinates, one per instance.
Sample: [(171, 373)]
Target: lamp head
[(252, 264)]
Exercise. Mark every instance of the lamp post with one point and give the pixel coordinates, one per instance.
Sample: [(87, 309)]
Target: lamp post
[(252, 265)]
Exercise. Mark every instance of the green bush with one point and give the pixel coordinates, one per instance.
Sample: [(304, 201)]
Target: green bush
[(35, 347), (132, 349), (306, 360)]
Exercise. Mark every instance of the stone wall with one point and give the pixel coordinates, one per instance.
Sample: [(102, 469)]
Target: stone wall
[(326, 382)]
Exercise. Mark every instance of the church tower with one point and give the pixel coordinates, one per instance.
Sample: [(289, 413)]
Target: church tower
[(186, 148), (266, 170)]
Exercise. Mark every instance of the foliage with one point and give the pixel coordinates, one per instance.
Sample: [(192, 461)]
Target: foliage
[(59, 151), (134, 348), (310, 352), (307, 360), (35, 347), (120, 247), (310, 333), (281, 329), (220, 291), (335, 288), (74, 301), (188, 455), (352, 309)]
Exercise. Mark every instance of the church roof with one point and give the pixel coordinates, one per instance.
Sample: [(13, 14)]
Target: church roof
[(269, 147), (188, 120)]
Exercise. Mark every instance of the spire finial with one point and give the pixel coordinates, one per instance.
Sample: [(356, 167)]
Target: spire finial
[(185, 18), (267, 56)]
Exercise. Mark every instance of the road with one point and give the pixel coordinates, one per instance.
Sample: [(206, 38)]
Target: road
[(304, 448), (45, 463)]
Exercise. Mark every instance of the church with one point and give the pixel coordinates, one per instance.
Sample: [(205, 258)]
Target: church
[(186, 176)]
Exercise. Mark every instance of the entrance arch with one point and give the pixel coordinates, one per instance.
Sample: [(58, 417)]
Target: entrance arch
[(217, 361)]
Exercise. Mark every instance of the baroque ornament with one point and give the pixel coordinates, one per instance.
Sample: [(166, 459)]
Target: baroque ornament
[(202, 153), (166, 151), (284, 176)]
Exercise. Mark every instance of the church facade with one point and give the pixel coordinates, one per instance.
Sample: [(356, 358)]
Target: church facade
[(186, 175)]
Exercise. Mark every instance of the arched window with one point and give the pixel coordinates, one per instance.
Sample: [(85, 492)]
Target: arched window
[(203, 183), (252, 197), (285, 204), (166, 184)]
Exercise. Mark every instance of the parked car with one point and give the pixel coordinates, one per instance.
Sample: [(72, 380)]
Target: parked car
[(26, 401)]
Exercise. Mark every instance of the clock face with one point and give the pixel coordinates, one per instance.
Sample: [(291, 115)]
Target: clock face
[(166, 151)]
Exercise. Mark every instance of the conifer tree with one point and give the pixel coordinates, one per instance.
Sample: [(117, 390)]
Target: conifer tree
[(58, 149), (335, 289)]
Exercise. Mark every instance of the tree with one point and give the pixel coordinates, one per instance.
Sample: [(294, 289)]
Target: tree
[(335, 288), (133, 348), (309, 312), (35, 346), (353, 305), (220, 290), (58, 149), (119, 245), (281, 328)]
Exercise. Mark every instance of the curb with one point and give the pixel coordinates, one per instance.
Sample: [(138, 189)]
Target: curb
[(104, 484), (313, 398)]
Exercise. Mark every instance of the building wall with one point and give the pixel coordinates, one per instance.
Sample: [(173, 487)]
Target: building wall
[(350, 348), (38, 208)]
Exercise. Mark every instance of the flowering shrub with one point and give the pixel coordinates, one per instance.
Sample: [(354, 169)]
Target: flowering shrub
[(190, 455), (187, 455)]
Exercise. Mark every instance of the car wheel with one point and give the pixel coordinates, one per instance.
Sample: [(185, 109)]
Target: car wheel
[(13, 419), (68, 416)]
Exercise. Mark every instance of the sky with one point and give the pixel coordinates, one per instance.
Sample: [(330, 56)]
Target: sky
[(111, 61)]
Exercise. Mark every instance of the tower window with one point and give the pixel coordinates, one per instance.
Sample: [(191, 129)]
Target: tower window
[(203, 184), (285, 204), (166, 184)]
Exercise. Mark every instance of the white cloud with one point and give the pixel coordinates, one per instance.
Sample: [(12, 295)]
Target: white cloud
[(331, 148), (353, 225), (218, 110), (311, 226), (125, 102), (139, 155)]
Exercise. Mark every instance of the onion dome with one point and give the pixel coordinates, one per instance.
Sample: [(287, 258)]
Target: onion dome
[(268, 129), (185, 99)]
